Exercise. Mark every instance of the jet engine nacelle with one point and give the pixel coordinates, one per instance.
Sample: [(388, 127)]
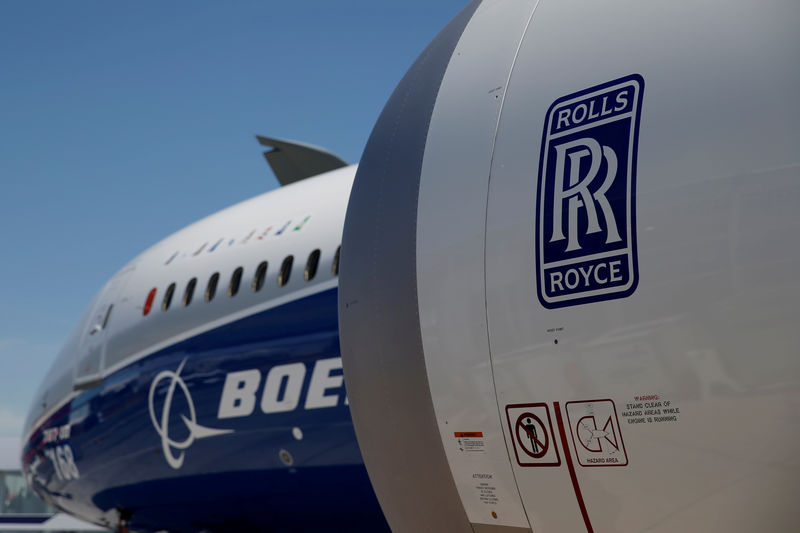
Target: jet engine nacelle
[(569, 272)]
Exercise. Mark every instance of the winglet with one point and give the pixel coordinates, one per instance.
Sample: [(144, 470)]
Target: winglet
[(292, 161)]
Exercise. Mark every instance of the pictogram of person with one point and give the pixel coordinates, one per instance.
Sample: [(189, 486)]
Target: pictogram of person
[(532, 434)]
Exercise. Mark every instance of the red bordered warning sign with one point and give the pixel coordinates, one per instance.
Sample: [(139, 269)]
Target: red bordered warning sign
[(532, 436), (596, 433)]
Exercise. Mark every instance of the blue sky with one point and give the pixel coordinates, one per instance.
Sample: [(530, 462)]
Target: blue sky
[(123, 122)]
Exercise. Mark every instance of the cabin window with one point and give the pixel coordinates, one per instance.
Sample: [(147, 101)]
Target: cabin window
[(286, 271), (168, 297), (211, 288), (189, 292), (311, 266), (335, 266), (148, 303), (236, 280), (261, 274)]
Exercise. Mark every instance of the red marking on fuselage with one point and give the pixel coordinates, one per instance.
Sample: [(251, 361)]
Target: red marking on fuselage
[(572, 474)]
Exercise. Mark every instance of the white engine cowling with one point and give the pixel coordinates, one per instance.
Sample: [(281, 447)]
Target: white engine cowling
[(569, 272)]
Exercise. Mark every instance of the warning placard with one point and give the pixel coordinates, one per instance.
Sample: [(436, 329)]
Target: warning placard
[(596, 433), (532, 434), (470, 441)]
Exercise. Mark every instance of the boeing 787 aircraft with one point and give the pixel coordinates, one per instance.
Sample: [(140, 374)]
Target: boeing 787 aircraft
[(558, 293)]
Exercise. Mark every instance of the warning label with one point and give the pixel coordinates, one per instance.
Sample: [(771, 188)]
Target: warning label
[(487, 491), (649, 409), (596, 433), (470, 441), (532, 434)]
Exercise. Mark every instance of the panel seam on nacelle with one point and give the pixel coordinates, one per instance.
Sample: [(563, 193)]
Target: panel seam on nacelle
[(485, 239)]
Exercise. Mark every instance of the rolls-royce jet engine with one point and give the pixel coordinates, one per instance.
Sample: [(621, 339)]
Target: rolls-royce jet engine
[(569, 285)]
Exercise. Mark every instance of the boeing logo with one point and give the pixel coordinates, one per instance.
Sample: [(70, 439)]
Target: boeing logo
[(162, 425), (586, 225), (285, 388)]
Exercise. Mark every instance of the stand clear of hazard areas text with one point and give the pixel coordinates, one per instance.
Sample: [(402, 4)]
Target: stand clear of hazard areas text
[(596, 433), (532, 434)]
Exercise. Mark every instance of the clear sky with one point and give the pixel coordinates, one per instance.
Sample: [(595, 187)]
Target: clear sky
[(120, 123)]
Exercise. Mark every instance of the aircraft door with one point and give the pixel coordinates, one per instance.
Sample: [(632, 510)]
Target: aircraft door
[(91, 353)]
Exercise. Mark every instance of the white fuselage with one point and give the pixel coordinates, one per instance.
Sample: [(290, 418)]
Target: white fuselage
[(118, 330), (209, 367)]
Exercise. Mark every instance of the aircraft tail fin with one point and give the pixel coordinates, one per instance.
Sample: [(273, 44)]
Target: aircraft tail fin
[(293, 161)]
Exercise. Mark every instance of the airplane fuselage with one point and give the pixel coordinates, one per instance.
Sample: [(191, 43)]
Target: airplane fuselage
[(204, 388)]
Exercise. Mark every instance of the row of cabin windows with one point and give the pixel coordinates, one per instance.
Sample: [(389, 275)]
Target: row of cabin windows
[(236, 280)]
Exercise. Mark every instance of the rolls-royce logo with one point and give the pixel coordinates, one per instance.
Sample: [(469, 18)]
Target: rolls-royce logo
[(586, 208), (161, 424)]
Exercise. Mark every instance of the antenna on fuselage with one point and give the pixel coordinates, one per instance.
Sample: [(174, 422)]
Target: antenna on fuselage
[(293, 161)]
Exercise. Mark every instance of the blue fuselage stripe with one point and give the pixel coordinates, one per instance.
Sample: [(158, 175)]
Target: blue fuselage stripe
[(296, 470)]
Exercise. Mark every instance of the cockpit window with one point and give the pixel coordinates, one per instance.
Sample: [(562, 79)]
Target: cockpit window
[(236, 280), (211, 288), (286, 271), (168, 297), (261, 274), (311, 266), (335, 266), (189, 292)]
